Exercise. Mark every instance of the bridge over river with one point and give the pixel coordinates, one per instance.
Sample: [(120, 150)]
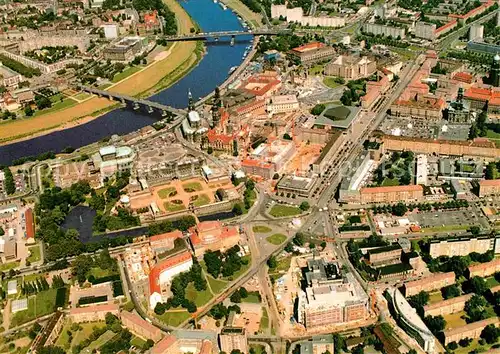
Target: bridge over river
[(222, 34)]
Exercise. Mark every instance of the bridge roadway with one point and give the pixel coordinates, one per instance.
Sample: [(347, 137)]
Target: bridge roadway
[(216, 35), (137, 102)]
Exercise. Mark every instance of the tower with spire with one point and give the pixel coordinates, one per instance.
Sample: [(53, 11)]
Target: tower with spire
[(495, 71), (190, 101)]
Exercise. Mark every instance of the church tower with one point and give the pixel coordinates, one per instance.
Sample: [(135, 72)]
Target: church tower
[(495, 71)]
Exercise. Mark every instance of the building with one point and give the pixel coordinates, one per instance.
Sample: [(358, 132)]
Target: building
[(313, 52), (489, 187), (460, 246), (329, 298), (494, 77), (484, 269), (140, 327), (19, 305), (472, 330), (374, 90), (480, 98), (111, 159), (164, 242), (351, 67), (295, 185), (124, 50), (391, 194), (446, 307), (162, 273), (388, 31), (459, 111), (93, 313), (412, 324), (318, 345), (233, 338), (425, 30), (387, 254), (483, 47), (12, 287), (29, 233), (261, 86), (111, 30), (350, 185), (282, 104), (428, 107), (462, 19), (269, 158), (187, 341), (296, 14), (8, 77), (433, 282), (476, 32), (211, 235)]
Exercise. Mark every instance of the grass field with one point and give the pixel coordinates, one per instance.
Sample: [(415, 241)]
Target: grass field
[(200, 298), (473, 347), (261, 229), (78, 336), (253, 297), (388, 182), (279, 210), (174, 318), (126, 73), (167, 192), (276, 239), (138, 342), (264, 321), (283, 266), (106, 337), (34, 254), (216, 285), (446, 228), (8, 266), (169, 206), (192, 187), (202, 199), (492, 134), (330, 82), (100, 273), (81, 96), (58, 106), (316, 69), (454, 320), (491, 282), (435, 297), (39, 305)]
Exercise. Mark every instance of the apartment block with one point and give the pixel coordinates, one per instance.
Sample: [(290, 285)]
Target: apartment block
[(471, 330), (446, 307), (93, 313), (140, 327), (233, 338), (460, 247), (489, 187), (384, 254), (485, 269), (433, 282), (392, 194)]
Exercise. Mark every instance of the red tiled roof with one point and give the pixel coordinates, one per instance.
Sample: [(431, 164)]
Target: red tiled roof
[(473, 12), (174, 234), (483, 266), (309, 46), (489, 182), (410, 188), (94, 308), (154, 274), (206, 347), (30, 224), (162, 346), (464, 77), (431, 279), (140, 322), (209, 225), (445, 26), (255, 163)]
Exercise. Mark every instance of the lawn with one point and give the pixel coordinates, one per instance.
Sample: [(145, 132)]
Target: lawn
[(174, 318), (201, 200), (200, 298), (138, 342), (8, 266), (66, 103), (169, 206), (261, 229), (316, 69), (276, 239), (491, 282), (264, 321), (454, 320), (284, 210), (492, 134), (78, 336), (473, 347), (330, 82), (99, 273), (82, 96), (258, 348), (216, 285), (435, 297), (446, 228), (253, 298), (283, 266), (388, 182), (126, 73), (39, 305), (106, 337), (192, 187), (167, 192), (34, 254)]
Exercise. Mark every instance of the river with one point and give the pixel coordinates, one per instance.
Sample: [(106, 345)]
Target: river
[(212, 71)]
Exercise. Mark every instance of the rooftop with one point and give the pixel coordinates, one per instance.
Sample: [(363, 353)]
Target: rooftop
[(338, 116), (455, 300), (309, 47), (471, 326), (154, 275), (389, 189), (432, 278)]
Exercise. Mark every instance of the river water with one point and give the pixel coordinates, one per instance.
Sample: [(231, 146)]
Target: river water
[(212, 71)]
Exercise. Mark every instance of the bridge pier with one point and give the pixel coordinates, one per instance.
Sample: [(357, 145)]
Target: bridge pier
[(232, 40), (150, 109), (123, 101), (136, 106), (164, 113), (111, 98)]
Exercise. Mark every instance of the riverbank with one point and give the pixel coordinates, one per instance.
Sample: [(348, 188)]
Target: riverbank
[(252, 19), (179, 60)]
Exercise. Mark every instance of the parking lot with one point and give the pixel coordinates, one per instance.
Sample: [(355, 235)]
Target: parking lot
[(436, 219)]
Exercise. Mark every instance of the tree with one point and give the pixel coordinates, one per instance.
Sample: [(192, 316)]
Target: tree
[(272, 263), (490, 334), (475, 308), (237, 209), (287, 136), (28, 111), (299, 239), (2, 232), (304, 206), (359, 349), (210, 150), (435, 324), (450, 291), (476, 285), (475, 230), (276, 176), (9, 184), (452, 345), (491, 171), (149, 344), (318, 109), (399, 209), (236, 297), (50, 350), (243, 292)]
